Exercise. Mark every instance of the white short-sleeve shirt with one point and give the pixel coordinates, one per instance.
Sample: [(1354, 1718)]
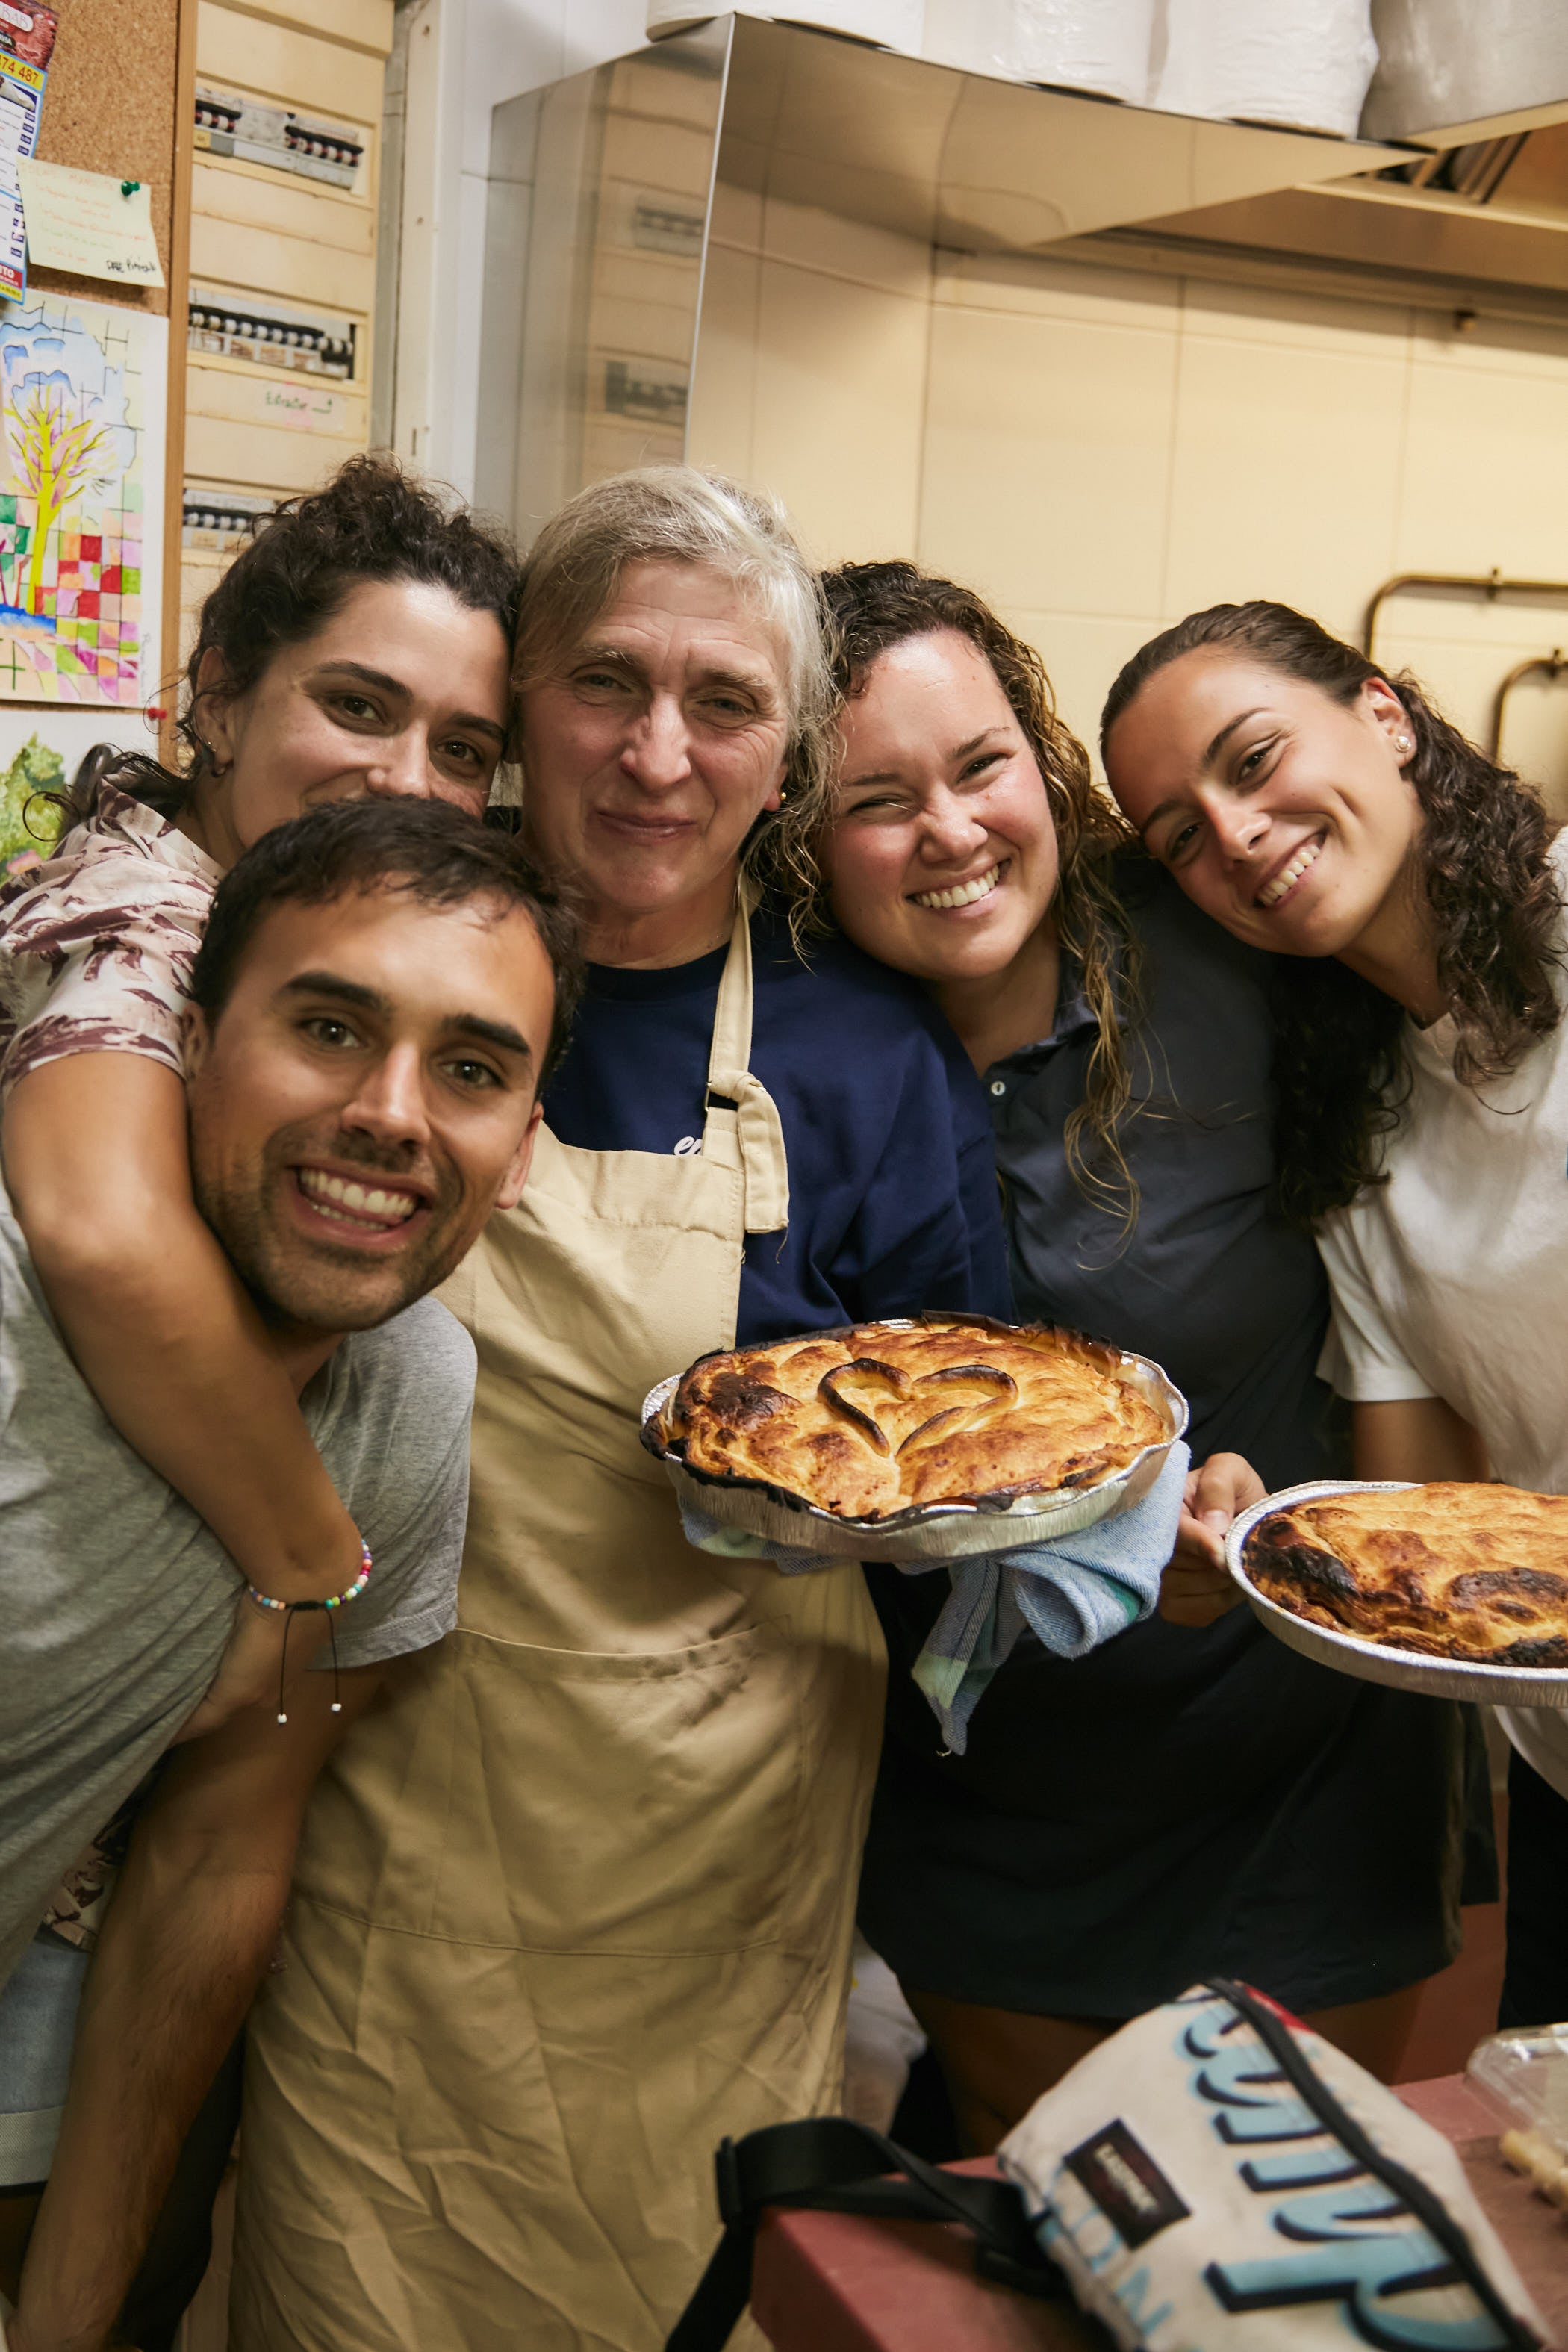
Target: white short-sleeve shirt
[(1451, 1280)]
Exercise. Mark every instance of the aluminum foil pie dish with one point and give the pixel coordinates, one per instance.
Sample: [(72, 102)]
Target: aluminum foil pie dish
[(875, 1401), (1380, 1662)]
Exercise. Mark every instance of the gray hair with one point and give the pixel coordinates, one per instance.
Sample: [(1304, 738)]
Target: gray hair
[(679, 514)]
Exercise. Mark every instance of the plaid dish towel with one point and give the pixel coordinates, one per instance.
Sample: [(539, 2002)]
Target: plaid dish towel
[(1072, 1594)]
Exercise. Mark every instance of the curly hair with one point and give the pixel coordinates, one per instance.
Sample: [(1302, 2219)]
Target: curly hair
[(372, 522), (1481, 873), (877, 606), (654, 514)]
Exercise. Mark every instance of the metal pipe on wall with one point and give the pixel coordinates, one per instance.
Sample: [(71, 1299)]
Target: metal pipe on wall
[(1490, 585), (1554, 665)]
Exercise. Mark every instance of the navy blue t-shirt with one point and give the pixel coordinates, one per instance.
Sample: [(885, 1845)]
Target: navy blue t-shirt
[(892, 1186)]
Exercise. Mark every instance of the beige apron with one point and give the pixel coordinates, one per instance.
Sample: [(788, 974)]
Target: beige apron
[(576, 1900)]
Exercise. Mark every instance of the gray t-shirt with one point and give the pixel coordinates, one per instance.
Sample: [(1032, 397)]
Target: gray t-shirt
[(116, 1599)]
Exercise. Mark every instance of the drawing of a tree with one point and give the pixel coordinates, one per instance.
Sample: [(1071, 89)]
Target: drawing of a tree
[(59, 450), (66, 435)]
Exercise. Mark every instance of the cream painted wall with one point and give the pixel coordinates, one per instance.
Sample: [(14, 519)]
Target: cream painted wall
[(1102, 451), (812, 361)]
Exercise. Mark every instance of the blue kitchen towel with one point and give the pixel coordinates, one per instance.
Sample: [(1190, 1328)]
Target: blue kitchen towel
[(1072, 1593)]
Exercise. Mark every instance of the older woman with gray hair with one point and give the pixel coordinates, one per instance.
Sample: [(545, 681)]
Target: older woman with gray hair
[(578, 1903)]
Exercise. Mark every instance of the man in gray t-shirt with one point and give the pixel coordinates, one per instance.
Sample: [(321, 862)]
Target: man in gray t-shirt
[(374, 1008), (119, 1600)]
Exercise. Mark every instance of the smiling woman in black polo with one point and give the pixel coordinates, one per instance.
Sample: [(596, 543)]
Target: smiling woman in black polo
[(1182, 1803)]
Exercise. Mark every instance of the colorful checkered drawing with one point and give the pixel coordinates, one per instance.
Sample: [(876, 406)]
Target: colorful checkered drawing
[(71, 499)]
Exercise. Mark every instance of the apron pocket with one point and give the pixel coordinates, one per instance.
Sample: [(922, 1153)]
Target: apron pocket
[(631, 1804)]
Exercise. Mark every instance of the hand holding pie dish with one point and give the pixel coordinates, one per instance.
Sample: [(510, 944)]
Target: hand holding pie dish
[(917, 1428), (1452, 1588)]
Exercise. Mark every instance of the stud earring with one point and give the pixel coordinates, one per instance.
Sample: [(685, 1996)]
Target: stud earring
[(1403, 743)]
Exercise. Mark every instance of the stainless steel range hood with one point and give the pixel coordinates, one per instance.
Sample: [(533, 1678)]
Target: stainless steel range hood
[(983, 165), (604, 190), (1483, 225), (1480, 219)]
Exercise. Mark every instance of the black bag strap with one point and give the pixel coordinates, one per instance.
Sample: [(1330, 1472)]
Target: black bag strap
[(835, 2165), (1412, 2192), (832, 2165)]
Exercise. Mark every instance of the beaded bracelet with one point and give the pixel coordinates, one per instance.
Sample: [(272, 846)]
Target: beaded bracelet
[(333, 1601)]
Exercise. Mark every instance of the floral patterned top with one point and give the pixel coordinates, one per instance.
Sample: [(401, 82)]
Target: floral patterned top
[(96, 949), (96, 944)]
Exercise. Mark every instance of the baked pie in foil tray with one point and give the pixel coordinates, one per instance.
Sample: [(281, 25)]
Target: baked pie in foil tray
[(1457, 1590), (926, 1437)]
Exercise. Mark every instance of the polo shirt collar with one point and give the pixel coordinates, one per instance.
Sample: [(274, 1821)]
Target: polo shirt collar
[(1074, 1016)]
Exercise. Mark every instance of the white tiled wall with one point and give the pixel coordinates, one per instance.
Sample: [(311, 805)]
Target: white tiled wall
[(812, 364), (1102, 450)]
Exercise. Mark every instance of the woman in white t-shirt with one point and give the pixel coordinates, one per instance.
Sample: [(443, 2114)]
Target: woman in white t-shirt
[(1319, 809)]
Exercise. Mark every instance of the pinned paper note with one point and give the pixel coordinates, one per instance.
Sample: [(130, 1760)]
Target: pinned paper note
[(85, 222)]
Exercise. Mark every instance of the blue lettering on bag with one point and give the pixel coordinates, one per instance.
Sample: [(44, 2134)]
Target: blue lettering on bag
[(1319, 2215), (1299, 2167), (1363, 2272), (1132, 2294), (1340, 2259), (1239, 2079), (1240, 2076)]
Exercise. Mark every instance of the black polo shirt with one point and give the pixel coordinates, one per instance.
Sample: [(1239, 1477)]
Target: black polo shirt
[(1209, 1281)]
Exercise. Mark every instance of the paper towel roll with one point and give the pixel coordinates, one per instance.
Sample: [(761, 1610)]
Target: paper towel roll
[(896, 24), (1301, 62), (674, 16), (1098, 44)]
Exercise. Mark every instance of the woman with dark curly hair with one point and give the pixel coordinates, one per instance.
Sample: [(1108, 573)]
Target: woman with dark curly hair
[(1415, 892), (1181, 1802)]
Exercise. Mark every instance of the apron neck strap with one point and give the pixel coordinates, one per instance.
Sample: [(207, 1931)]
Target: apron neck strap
[(732, 1047), (765, 1162)]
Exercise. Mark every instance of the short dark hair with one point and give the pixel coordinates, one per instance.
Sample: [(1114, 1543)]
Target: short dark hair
[(432, 852)]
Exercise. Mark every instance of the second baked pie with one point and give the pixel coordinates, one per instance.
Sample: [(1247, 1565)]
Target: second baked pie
[(1477, 1573), (886, 1417)]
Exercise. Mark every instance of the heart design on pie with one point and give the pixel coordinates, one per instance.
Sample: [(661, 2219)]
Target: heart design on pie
[(1000, 1389), (866, 1368)]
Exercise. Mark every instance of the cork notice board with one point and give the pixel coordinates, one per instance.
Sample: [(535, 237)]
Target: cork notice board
[(121, 99), (110, 107)]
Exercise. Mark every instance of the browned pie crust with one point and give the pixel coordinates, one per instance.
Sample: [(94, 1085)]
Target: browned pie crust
[(1479, 1573), (884, 1418)]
